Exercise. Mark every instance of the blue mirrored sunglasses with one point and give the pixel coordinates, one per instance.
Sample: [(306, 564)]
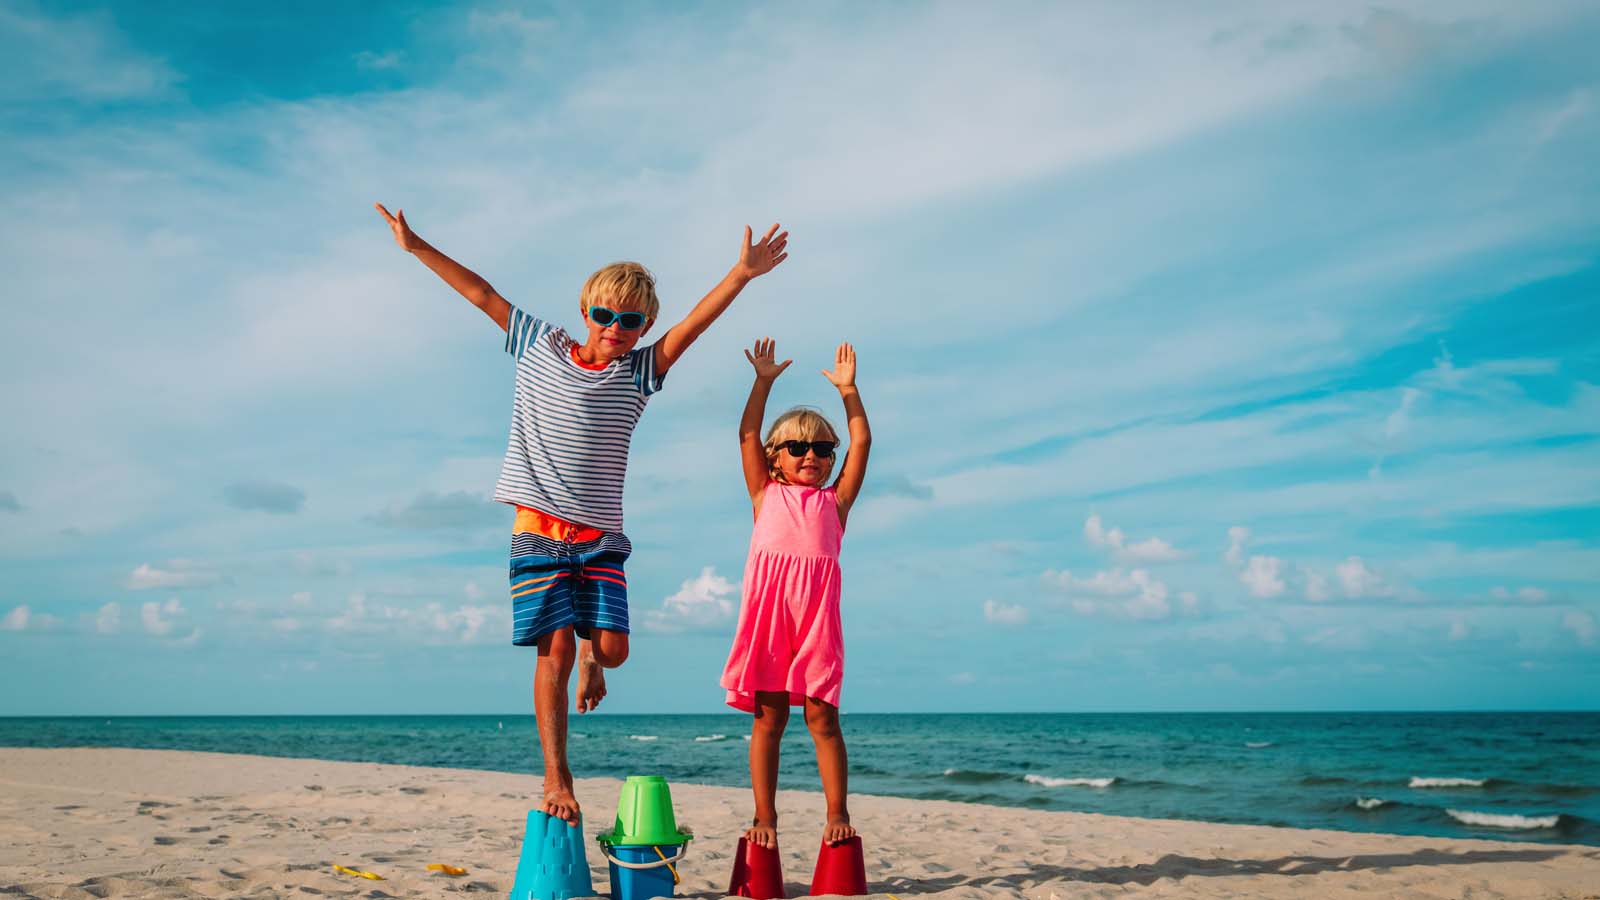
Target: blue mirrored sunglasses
[(627, 321)]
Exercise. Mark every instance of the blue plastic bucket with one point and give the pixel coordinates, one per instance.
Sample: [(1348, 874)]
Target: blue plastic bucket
[(653, 879)]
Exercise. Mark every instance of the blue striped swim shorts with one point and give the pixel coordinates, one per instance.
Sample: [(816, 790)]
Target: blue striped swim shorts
[(556, 584)]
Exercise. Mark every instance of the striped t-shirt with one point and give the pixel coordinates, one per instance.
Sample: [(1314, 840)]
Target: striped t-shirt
[(570, 426)]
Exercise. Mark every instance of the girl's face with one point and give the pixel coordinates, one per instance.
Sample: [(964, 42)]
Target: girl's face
[(813, 464)]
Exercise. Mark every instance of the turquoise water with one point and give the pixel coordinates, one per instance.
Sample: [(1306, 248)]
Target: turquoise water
[(1514, 776)]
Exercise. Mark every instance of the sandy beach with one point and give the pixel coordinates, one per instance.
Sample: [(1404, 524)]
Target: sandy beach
[(84, 823)]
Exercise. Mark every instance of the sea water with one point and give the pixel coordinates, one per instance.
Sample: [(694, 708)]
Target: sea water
[(1516, 776)]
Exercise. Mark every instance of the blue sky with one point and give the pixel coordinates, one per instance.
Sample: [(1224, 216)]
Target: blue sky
[(1241, 357)]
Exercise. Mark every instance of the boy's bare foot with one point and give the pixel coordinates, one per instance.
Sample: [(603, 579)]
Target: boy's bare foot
[(560, 802), (591, 682), (838, 829), (762, 835)]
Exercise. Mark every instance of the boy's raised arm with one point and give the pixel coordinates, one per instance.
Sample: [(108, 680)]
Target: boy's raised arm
[(755, 260), (466, 282), (843, 376)]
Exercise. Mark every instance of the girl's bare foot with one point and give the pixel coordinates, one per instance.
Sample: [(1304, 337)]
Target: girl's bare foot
[(838, 829), (559, 801), (591, 682), (762, 835)]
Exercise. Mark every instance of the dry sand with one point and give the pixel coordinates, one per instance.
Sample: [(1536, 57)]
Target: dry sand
[(82, 823)]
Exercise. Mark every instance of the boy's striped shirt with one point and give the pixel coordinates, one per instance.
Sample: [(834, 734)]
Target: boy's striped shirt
[(571, 426)]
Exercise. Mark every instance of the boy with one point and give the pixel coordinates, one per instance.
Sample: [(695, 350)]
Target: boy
[(573, 415)]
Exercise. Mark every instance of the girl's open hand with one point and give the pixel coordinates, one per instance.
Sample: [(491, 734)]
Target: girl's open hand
[(761, 258), (762, 359), (844, 367), (403, 235)]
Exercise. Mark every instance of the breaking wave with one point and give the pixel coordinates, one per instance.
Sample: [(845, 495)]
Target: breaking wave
[(1047, 781), (1503, 820), (1419, 782)]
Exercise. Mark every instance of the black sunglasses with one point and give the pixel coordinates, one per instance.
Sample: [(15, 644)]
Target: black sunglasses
[(824, 449), (630, 321)]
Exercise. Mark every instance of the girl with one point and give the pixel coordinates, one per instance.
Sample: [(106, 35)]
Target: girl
[(788, 649)]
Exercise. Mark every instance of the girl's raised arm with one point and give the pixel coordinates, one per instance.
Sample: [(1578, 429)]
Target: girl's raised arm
[(752, 453), (843, 376)]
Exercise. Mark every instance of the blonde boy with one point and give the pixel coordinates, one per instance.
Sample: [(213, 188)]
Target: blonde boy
[(572, 418)]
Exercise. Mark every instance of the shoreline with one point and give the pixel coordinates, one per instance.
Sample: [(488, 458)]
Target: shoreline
[(168, 823)]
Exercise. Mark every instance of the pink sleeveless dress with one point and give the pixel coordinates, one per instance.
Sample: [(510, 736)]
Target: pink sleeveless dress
[(789, 636)]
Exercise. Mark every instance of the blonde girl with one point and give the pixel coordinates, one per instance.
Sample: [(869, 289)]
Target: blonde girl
[(788, 648)]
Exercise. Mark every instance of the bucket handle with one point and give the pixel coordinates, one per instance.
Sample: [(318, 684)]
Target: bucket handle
[(665, 860)]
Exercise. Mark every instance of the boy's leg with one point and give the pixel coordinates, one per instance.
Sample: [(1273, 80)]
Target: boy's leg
[(766, 734), (822, 718), (600, 602), (603, 649), (557, 650)]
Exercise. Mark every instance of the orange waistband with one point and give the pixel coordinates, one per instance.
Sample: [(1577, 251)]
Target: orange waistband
[(532, 521)]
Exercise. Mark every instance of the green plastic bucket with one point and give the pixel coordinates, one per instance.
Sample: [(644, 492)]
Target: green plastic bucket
[(644, 814)]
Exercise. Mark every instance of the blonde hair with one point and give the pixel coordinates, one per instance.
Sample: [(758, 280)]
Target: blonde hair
[(802, 423), (622, 286)]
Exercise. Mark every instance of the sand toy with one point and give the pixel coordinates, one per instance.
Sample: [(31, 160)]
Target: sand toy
[(757, 872), (553, 866), (841, 869), (645, 844)]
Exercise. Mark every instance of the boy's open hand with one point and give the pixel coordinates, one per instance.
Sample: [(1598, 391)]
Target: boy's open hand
[(762, 359), (403, 235), (844, 367), (761, 258)]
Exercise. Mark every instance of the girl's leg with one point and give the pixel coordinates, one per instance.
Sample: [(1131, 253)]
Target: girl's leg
[(556, 652), (833, 765), (766, 733)]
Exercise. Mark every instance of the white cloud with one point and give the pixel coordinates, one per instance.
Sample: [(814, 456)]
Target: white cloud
[(17, 619), (1582, 626), (1238, 539), (1459, 629), (1527, 594), (178, 574), (703, 602), (1263, 576), (1400, 419), (300, 599), (430, 623), (1150, 550), (962, 678), (1004, 613), (159, 618), (109, 619), (1358, 581), (1134, 594)]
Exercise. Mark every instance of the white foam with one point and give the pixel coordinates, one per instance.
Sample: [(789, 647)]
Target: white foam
[(1417, 782), (1502, 820), (641, 737), (747, 737), (1257, 745), (707, 738), (1371, 802), (1048, 781)]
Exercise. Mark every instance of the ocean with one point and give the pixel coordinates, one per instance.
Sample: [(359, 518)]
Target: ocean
[(1514, 776)]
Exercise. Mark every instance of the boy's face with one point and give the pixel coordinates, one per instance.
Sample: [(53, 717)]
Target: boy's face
[(612, 340)]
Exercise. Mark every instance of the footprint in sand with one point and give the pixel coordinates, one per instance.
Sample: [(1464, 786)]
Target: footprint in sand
[(413, 790), (219, 839), (313, 787), (164, 841)]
